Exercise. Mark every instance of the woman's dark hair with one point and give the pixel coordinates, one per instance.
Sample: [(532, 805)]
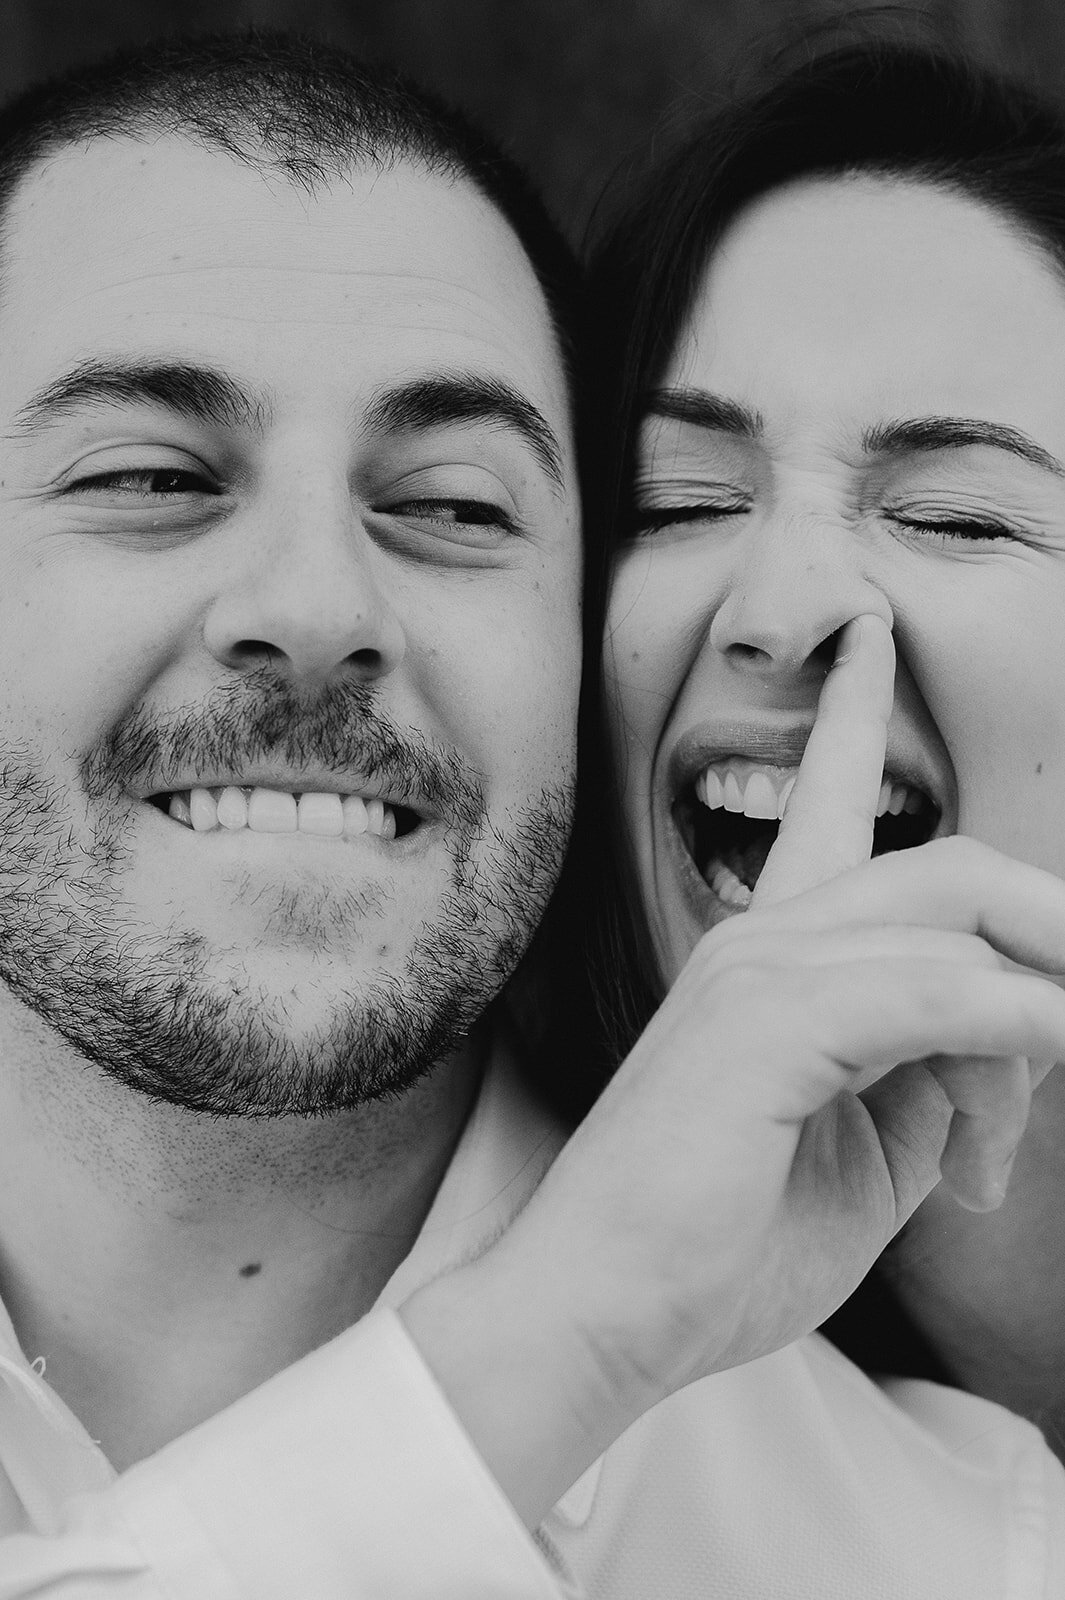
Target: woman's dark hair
[(884, 108), (881, 107)]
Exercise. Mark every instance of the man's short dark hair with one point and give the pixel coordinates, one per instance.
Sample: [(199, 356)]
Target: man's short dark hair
[(290, 104)]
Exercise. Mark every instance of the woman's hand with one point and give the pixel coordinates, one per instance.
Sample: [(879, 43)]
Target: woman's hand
[(828, 830), (818, 1062)]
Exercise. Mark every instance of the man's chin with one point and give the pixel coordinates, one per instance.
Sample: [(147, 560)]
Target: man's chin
[(304, 979), (256, 1051), (329, 916), (254, 992), (309, 1027)]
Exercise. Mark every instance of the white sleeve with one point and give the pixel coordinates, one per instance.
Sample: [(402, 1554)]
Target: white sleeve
[(1054, 1586), (346, 1477)]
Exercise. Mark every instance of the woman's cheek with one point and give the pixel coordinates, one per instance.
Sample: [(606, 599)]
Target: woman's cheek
[(644, 657), (992, 674)]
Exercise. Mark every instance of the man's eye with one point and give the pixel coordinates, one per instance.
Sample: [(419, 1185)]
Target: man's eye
[(472, 521), (144, 483)]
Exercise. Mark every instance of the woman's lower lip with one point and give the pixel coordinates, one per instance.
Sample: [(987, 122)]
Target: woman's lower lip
[(705, 906)]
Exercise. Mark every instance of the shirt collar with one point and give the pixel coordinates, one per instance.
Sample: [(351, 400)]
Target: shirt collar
[(508, 1144)]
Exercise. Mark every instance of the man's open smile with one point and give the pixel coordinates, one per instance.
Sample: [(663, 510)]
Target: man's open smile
[(259, 808)]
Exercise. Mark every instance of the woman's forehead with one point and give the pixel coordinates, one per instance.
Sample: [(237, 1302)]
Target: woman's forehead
[(872, 293)]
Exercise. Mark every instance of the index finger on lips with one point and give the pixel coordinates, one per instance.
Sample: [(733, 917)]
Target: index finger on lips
[(828, 821)]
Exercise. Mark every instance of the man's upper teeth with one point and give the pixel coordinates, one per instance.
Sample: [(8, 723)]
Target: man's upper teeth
[(280, 811), (758, 790)]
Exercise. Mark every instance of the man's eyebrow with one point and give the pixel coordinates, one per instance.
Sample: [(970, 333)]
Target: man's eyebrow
[(444, 398), (955, 433), (706, 410), (199, 393)]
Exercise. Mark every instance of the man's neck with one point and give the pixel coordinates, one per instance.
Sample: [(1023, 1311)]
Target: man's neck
[(164, 1263)]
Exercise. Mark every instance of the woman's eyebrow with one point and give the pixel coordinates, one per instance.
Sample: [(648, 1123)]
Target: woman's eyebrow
[(442, 398), (199, 393), (706, 410), (955, 433)]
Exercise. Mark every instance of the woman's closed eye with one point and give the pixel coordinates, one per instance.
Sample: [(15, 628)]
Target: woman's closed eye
[(947, 527), (651, 517)]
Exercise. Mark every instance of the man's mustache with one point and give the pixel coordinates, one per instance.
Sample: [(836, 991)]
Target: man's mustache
[(261, 719)]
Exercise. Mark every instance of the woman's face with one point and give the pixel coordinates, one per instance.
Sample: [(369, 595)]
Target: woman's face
[(865, 412)]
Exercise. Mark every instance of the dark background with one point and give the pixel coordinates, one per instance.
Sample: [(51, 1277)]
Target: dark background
[(574, 87)]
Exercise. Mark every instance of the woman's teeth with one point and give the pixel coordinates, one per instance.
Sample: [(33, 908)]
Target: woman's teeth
[(741, 787), (728, 887), (330, 816), (755, 790)]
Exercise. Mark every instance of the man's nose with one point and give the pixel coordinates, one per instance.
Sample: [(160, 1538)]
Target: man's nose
[(792, 585), (309, 596)]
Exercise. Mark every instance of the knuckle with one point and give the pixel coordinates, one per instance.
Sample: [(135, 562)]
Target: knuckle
[(980, 953), (747, 949), (931, 1000), (722, 947), (998, 1125), (1037, 1011), (959, 853), (1040, 1003), (741, 978), (755, 987)]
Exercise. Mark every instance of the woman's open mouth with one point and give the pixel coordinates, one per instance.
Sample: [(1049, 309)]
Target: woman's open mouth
[(730, 816)]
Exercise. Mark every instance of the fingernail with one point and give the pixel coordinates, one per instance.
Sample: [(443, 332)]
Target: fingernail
[(1001, 1181), (852, 633), (848, 641)]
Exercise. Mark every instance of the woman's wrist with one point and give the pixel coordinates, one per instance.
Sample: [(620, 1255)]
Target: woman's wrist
[(520, 1375)]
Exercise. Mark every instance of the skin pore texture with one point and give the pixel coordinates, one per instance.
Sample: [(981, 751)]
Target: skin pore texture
[(288, 504), (868, 405)]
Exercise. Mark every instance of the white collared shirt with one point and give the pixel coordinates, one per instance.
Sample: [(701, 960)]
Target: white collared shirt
[(347, 1477)]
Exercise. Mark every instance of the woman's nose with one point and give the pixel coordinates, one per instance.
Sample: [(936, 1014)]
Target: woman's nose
[(310, 597), (792, 585)]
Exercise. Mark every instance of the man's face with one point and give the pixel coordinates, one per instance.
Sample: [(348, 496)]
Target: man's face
[(288, 512), (865, 412)]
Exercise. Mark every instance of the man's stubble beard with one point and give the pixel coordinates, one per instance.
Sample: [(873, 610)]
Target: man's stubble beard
[(144, 1005)]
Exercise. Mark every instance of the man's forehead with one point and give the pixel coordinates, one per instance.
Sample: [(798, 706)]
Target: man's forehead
[(124, 235)]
